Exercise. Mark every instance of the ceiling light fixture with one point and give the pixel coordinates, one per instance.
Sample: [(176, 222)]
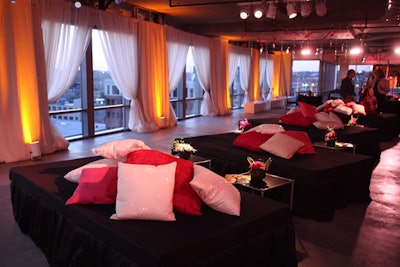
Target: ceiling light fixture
[(355, 51), (306, 51), (258, 12), (305, 8), (320, 8), (271, 11), (397, 50), (78, 4), (291, 9), (244, 13)]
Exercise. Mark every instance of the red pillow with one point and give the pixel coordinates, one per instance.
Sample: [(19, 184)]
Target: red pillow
[(308, 111), (303, 137), (96, 186), (296, 118), (251, 140), (185, 199)]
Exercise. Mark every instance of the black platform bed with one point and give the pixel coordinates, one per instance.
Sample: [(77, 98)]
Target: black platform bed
[(323, 182), (83, 235)]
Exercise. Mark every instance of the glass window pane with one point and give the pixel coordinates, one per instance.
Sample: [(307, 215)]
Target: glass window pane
[(69, 124), (305, 75)]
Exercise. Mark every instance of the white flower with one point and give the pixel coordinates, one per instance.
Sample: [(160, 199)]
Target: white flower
[(181, 146)]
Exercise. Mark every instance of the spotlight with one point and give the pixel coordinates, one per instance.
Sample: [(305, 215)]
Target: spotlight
[(306, 51), (78, 4), (320, 8), (397, 50), (355, 51), (291, 10), (271, 11), (258, 12), (305, 9), (244, 13)]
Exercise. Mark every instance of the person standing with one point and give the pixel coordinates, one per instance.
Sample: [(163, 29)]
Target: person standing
[(347, 87), (381, 86)]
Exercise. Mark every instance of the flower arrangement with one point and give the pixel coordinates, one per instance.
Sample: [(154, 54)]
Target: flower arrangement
[(352, 121), (258, 164), (244, 124), (330, 136), (179, 145), (258, 169)]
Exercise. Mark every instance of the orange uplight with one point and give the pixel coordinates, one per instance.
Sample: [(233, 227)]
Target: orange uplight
[(27, 84)]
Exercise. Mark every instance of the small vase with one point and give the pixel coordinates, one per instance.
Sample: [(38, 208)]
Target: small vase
[(331, 143), (185, 155), (257, 176)]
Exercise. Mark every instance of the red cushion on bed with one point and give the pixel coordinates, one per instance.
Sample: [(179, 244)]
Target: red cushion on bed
[(251, 140), (185, 198), (308, 111), (296, 118), (96, 186), (303, 137)]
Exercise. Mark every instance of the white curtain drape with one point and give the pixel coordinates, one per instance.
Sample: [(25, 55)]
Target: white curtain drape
[(66, 35), (263, 77), (153, 76), (270, 75), (219, 88), (178, 43), (244, 63), (201, 57), (118, 37)]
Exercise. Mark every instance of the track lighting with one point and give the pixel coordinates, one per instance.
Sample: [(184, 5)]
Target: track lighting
[(244, 13), (320, 8), (258, 12), (78, 4), (305, 8), (271, 11), (291, 9)]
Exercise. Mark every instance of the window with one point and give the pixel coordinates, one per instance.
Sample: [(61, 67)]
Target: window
[(236, 91), (92, 104), (305, 77), (360, 80), (186, 103)]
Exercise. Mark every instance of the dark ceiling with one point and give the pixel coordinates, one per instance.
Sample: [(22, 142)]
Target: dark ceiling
[(366, 22)]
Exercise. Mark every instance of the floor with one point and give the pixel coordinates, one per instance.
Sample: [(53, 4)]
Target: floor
[(360, 235)]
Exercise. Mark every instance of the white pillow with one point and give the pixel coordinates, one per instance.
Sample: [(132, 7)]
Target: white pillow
[(145, 192), (75, 174), (336, 102), (358, 109), (343, 109), (119, 149), (282, 145), (267, 128), (215, 191), (323, 105)]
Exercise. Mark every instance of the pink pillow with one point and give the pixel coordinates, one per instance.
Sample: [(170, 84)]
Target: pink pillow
[(282, 145), (119, 149), (145, 192), (296, 119), (251, 140), (215, 191), (75, 174), (185, 199), (303, 137), (308, 111), (96, 186)]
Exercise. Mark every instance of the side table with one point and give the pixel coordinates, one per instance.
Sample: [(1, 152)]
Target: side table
[(201, 161), (272, 181), (340, 146)]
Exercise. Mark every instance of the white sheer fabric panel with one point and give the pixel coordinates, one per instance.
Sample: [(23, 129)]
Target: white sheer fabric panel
[(153, 73), (244, 64), (118, 37), (12, 147), (329, 71), (66, 35), (178, 43), (234, 58), (270, 75), (219, 89), (201, 57), (263, 77)]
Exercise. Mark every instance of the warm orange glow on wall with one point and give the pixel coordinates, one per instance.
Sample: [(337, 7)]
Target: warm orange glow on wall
[(255, 83), (26, 70)]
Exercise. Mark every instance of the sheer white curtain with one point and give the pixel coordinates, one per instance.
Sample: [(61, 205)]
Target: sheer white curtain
[(270, 75), (66, 35), (244, 64), (262, 78), (153, 76), (118, 37), (178, 43), (201, 57)]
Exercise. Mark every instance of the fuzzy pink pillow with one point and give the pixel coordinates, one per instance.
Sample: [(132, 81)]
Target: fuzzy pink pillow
[(185, 199), (282, 145), (303, 137), (96, 186), (215, 191), (145, 192), (119, 149), (75, 174)]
